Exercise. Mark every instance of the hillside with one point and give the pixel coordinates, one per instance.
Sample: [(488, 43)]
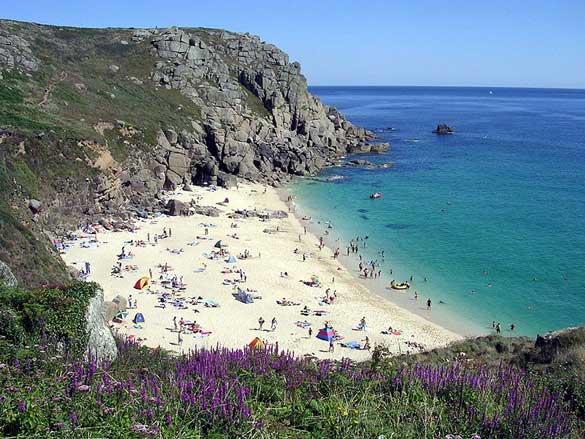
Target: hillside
[(94, 123), (489, 387)]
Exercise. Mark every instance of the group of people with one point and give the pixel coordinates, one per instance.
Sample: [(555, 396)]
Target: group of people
[(273, 324), (496, 326)]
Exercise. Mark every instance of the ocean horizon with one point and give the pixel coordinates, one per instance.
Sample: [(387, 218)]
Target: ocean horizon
[(492, 216)]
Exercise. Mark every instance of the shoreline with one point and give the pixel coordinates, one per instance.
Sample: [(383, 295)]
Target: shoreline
[(449, 320), (375, 286), (234, 324)]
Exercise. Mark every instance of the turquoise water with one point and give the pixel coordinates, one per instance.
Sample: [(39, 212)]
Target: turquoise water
[(493, 216)]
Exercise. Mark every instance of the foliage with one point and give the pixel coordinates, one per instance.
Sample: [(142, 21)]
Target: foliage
[(54, 316), (223, 393)]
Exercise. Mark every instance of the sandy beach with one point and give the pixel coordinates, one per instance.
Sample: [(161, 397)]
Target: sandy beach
[(274, 248)]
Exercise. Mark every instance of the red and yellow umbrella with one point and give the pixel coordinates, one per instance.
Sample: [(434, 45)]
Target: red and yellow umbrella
[(257, 343), (142, 283)]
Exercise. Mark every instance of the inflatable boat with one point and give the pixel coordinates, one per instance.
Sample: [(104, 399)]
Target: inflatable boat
[(376, 195), (401, 286)]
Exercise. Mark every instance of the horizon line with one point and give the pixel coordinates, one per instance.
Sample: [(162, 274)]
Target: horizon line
[(526, 87)]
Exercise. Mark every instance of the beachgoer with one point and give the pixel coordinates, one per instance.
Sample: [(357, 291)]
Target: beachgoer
[(310, 332), (415, 295), (367, 344), (498, 328), (150, 272), (179, 337), (175, 322), (512, 326), (87, 268), (260, 323), (273, 324), (429, 304), (331, 346), (362, 325)]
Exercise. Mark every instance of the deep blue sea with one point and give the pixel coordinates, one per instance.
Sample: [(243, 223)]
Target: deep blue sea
[(493, 216)]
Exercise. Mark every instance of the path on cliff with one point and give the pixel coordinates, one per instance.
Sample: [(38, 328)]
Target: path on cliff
[(49, 89)]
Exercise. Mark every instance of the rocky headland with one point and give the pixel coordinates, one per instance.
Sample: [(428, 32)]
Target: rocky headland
[(96, 123)]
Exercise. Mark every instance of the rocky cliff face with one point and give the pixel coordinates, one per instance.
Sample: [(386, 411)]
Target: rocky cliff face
[(97, 122)]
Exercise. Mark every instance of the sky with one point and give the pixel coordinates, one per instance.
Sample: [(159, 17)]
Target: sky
[(516, 43)]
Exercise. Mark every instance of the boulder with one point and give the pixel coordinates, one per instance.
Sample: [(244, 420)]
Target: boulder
[(113, 68), (101, 344), (379, 147), (35, 205), (177, 208), (443, 129), (227, 180), (121, 303), (206, 210)]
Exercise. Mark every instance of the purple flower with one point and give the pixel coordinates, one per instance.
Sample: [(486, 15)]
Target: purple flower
[(73, 418), (21, 406)]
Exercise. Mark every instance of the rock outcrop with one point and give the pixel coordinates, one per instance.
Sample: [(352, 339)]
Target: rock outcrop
[(7, 279), (101, 344), (259, 120), (16, 53), (443, 129)]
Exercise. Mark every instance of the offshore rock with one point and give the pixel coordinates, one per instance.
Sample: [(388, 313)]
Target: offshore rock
[(443, 129)]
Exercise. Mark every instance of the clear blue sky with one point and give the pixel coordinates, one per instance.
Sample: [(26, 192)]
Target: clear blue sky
[(538, 43)]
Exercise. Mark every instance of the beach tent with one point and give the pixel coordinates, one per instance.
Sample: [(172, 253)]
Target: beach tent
[(257, 343), (218, 244), (326, 334), (244, 296), (138, 318), (141, 283), (231, 260)]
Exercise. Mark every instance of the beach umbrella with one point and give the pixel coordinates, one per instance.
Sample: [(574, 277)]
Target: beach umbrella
[(218, 244), (257, 343), (231, 260), (141, 283)]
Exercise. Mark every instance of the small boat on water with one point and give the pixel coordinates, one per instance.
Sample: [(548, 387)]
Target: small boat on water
[(376, 195), (399, 286)]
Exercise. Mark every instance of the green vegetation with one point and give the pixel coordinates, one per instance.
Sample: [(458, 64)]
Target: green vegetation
[(47, 387), (50, 316)]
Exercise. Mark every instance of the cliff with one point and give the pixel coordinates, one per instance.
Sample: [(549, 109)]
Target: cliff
[(97, 122)]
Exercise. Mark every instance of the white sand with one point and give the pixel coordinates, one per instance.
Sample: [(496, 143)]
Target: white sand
[(235, 324)]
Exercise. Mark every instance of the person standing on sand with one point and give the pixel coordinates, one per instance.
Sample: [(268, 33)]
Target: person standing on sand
[(175, 322), (273, 324), (180, 337), (331, 346), (310, 332), (429, 304), (150, 272), (260, 323)]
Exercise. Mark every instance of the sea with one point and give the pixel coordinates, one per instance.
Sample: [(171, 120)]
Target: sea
[(493, 216)]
